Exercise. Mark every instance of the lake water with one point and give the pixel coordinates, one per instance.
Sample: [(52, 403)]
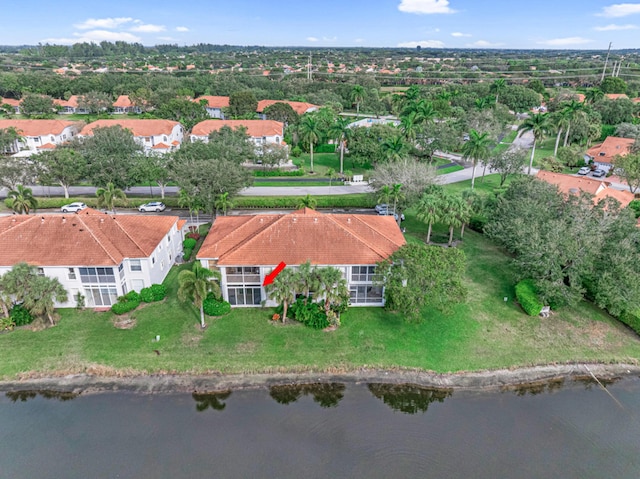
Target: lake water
[(326, 431)]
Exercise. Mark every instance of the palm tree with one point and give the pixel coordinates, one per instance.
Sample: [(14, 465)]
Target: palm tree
[(497, 87), (107, 196), (22, 200), (593, 95), (396, 194), (560, 120), (357, 96), (331, 173), (331, 286), (195, 284), (538, 124), (394, 148), (476, 148), (385, 196), (425, 113), (310, 132), (307, 202), (463, 210), (451, 213), (571, 110), (482, 103), (43, 291), (429, 211), (224, 203), (408, 125), (282, 290), (306, 279), (341, 132)]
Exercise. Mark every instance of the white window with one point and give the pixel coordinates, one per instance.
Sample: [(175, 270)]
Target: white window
[(153, 260), (135, 265), (363, 273), (40, 271), (72, 273), (365, 294)]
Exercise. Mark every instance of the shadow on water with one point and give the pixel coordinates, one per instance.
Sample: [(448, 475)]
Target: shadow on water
[(552, 385), (24, 396), (325, 394), (408, 398), (214, 401)]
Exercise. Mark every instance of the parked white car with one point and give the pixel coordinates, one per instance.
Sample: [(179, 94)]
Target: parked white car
[(73, 207), (585, 170), (156, 206)]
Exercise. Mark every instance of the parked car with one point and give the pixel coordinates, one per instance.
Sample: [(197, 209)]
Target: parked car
[(156, 206), (599, 173), (383, 206), (584, 170), (73, 207)]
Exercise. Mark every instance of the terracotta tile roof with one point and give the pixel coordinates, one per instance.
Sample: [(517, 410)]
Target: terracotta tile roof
[(298, 106), (615, 96), (160, 146), (181, 224), (90, 238), (581, 97), (37, 127), (635, 100), (123, 101), (611, 147), (294, 238), (569, 184), (255, 128), (72, 102), (175, 142), (9, 101), (137, 127), (47, 146), (214, 101)]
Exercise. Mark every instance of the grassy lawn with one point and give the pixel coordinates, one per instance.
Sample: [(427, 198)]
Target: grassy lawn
[(323, 161), (485, 332), (486, 185), (449, 169), (505, 143)]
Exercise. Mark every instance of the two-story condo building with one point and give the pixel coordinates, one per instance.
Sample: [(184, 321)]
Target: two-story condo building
[(70, 106), (261, 131), (124, 105), (247, 248), (98, 255), (37, 135), (158, 136), (214, 105), (300, 107)]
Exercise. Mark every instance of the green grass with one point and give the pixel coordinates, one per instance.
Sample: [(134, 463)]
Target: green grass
[(323, 161), (505, 143), (449, 169), (486, 185), (486, 332)]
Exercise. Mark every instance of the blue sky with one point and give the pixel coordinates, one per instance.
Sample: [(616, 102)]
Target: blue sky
[(558, 24)]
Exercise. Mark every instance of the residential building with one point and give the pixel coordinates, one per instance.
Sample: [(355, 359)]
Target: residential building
[(98, 255), (12, 102), (124, 105), (214, 105), (615, 96), (298, 106), (160, 136), (70, 106), (569, 184), (604, 153), (260, 131), (37, 135), (247, 248)]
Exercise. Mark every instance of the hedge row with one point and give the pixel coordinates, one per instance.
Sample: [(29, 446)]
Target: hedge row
[(325, 148), (131, 300), (277, 172), (528, 297), (336, 201), (155, 292), (632, 320)]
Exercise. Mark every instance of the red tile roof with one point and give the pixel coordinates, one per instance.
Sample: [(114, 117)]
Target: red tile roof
[(615, 96), (160, 146), (48, 146), (569, 184), (255, 128), (137, 127), (611, 147), (123, 101), (214, 101), (294, 238), (298, 106), (72, 102), (89, 238), (37, 127), (9, 101)]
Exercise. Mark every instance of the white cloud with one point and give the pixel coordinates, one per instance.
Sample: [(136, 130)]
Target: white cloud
[(329, 39), (182, 29), (613, 26), (148, 28), (422, 44), (484, 44), (95, 36), (620, 10), (565, 42), (358, 40), (167, 39), (109, 23), (312, 39), (425, 7), (459, 34)]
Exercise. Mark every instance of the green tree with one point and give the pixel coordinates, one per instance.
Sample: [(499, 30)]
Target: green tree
[(42, 295), (310, 133), (16, 171), (570, 111), (41, 106), (224, 203), (332, 287), (194, 286), (357, 96), (341, 132), (613, 85), (307, 202), (108, 195), (628, 168), (498, 86), (538, 125), (242, 104), (394, 148), (593, 95), (414, 176), (9, 138), (95, 102), (22, 200), (153, 168), (509, 162), (282, 290), (476, 149), (397, 195), (62, 165), (429, 211), (384, 195), (331, 174), (183, 110), (282, 112)]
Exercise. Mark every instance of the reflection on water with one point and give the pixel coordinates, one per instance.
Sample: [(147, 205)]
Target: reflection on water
[(205, 401), (26, 395), (325, 394), (408, 398)]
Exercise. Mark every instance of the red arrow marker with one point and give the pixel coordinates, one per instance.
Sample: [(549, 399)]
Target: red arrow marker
[(271, 276)]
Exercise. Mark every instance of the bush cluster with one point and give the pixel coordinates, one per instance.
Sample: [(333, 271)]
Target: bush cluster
[(277, 172), (20, 315), (213, 306), (310, 314), (155, 292), (131, 300), (189, 243), (528, 297), (632, 320), (325, 148)]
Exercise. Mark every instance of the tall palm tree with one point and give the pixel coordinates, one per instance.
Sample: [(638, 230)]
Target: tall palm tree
[(385, 196), (358, 94), (331, 174), (425, 113), (306, 279), (451, 205), (224, 203), (463, 210), (408, 125), (429, 209), (283, 290), (538, 124), (498, 86), (476, 148), (571, 110), (307, 202), (310, 132), (331, 286), (341, 132), (396, 194), (22, 200), (107, 196), (394, 148), (560, 120), (593, 95), (195, 284), (43, 293)]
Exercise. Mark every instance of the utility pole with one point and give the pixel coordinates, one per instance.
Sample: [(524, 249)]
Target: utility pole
[(309, 68), (605, 62)]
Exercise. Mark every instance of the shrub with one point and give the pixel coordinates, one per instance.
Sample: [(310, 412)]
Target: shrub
[(124, 307), (478, 222), (336, 201), (325, 148), (528, 297), (155, 292), (7, 324), (635, 206), (277, 172), (91, 201), (296, 151), (20, 315), (186, 254), (632, 320), (310, 314), (213, 306), (189, 243), (130, 296)]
